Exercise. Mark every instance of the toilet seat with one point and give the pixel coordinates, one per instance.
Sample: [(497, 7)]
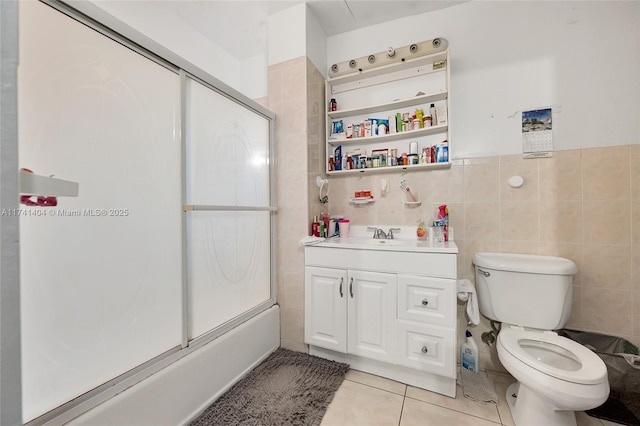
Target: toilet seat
[(573, 362)]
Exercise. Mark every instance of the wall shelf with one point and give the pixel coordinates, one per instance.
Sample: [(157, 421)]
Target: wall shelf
[(414, 167), (391, 136), (362, 200), (31, 183), (393, 105), (385, 93), (413, 203)]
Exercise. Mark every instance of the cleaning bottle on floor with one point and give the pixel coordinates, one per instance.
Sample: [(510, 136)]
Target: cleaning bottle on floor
[(469, 354)]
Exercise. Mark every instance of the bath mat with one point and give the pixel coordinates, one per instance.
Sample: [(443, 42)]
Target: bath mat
[(287, 388), (478, 387)]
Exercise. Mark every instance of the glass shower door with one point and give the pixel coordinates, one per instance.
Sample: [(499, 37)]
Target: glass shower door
[(228, 209)]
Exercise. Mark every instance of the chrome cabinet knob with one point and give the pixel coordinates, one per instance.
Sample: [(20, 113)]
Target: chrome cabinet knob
[(424, 350), (425, 302)]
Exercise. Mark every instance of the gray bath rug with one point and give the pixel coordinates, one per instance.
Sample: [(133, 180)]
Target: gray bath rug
[(478, 386), (287, 388)]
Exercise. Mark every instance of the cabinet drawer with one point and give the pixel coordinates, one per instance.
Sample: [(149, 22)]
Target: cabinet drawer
[(427, 300), (426, 348)]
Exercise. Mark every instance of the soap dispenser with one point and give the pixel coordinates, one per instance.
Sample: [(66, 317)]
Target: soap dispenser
[(421, 231)]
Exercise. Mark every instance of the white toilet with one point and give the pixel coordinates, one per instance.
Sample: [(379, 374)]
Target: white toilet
[(532, 295)]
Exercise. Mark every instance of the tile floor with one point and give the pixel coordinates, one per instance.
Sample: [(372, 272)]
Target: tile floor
[(367, 400)]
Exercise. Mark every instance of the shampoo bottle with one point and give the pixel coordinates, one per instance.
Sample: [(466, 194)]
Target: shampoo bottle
[(469, 354)]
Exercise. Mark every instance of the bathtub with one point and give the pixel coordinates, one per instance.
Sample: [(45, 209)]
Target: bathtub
[(181, 391)]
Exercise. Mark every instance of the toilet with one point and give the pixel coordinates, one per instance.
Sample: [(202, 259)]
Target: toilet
[(531, 296)]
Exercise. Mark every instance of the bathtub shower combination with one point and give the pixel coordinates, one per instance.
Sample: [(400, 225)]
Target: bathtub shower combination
[(185, 163)]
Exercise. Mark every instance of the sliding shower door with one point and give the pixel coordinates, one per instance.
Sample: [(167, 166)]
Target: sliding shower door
[(228, 208), (100, 272), (170, 236)]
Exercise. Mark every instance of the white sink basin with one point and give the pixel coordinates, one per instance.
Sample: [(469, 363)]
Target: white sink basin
[(382, 242), (410, 245)]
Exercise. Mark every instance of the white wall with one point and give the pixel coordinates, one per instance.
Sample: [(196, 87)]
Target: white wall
[(581, 58), (316, 43), (166, 28), (286, 34)]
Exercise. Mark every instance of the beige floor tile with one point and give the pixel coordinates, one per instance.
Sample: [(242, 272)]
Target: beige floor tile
[(418, 413), (583, 419), (460, 403), (355, 404), (501, 383), (376, 381)]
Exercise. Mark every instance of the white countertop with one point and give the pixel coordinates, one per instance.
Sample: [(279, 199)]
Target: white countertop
[(405, 240)]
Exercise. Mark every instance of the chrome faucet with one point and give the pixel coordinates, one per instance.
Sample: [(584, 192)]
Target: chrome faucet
[(380, 234), (377, 233), (390, 232)]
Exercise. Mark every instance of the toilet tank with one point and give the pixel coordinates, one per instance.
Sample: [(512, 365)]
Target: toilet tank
[(526, 290)]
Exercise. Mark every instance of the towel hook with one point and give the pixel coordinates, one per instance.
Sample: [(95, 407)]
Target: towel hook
[(324, 199)]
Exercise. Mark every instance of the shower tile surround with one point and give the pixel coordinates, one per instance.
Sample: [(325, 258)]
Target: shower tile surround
[(296, 96), (581, 204)]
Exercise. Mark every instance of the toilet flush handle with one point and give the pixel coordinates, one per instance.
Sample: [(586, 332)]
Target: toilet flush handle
[(485, 273)]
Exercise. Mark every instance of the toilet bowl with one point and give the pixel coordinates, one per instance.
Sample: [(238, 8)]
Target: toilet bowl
[(532, 295), (556, 376)]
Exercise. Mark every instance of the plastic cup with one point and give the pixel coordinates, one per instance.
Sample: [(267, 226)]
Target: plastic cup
[(332, 228), (343, 228)]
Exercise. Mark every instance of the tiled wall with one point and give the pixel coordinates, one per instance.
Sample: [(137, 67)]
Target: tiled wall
[(296, 96), (287, 94), (580, 204)]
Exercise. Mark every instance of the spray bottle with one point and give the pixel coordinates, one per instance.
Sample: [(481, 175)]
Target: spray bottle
[(469, 354)]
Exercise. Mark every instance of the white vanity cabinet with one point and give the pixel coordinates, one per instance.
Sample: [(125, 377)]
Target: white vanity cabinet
[(350, 311), (389, 313)]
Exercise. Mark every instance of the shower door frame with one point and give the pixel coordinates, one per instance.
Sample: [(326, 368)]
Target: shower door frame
[(97, 19)]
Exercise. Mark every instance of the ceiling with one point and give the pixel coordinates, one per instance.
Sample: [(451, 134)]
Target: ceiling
[(240, 27)]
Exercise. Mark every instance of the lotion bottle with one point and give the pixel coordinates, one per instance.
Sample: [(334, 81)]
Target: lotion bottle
[(432, 113), (469, 354)]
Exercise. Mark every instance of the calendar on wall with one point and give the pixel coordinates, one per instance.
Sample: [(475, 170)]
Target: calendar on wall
[(536, 133)]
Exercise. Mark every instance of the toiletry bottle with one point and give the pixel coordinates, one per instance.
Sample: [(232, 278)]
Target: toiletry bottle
[(442, 152), (443, 216), (315, 227), (469, 354), (432, 113), (420, 116), (333, 105), (421, 231)]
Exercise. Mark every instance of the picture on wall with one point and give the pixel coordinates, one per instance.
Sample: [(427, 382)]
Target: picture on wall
[(536, 133)]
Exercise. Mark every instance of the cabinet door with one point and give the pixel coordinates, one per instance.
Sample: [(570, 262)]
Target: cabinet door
[(372, 312), (325, 310)]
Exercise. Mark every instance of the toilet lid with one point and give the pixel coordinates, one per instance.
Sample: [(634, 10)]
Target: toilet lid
[(554, 355)]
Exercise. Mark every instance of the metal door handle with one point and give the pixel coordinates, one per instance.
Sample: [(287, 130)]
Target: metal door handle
[(351, 287), (341, 281)]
